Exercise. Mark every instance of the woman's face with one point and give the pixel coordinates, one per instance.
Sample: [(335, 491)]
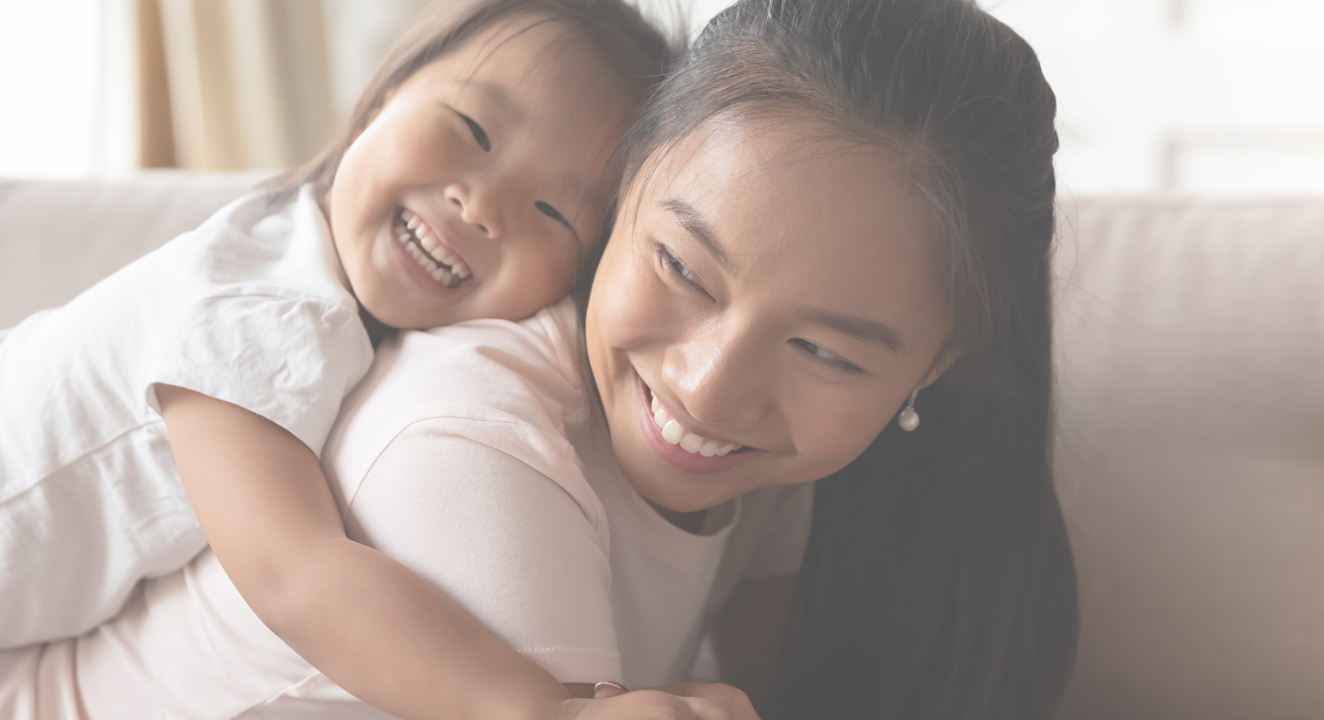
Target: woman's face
[(765, 290)]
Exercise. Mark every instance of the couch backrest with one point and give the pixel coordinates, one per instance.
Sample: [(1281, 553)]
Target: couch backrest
[(1190, 455), (1190, 444), (57, 238)]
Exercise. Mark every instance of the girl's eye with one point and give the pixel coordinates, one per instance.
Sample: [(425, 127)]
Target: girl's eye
[(550, 212), (672, 265), (480, 135), (823, 356)]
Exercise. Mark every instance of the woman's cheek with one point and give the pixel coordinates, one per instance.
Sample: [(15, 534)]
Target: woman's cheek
[(632, 306), (839, 426)]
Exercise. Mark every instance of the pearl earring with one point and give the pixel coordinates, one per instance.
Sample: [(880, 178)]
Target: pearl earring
[(909, 419)]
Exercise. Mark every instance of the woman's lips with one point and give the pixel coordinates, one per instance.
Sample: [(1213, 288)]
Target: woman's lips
[(682, 457), (693, 443)]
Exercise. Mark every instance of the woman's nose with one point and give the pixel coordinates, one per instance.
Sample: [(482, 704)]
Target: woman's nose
[(477, 206), (721, 378)]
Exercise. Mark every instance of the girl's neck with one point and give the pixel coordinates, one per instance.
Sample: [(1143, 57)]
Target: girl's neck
[(377, 330)]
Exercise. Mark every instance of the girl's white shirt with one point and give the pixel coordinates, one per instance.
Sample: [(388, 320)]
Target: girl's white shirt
[(251, 308), (470, 454)]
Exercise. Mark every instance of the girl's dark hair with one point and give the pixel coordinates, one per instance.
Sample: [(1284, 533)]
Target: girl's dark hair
[(939, 581), (627, 43)]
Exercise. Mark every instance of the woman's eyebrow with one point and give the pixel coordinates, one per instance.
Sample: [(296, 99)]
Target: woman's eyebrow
[(693, 222), (870, 331)]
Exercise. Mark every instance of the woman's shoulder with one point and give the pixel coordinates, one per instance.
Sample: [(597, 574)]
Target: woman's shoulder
[(503, 387), (530, 366)]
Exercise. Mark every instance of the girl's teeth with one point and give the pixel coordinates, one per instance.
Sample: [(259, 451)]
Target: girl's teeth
[(439, 262), (673, 433)]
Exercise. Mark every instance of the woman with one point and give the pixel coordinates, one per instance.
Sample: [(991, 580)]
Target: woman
[(836, 224)]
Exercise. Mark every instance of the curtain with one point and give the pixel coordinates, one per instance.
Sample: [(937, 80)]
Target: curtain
[(248, 83)]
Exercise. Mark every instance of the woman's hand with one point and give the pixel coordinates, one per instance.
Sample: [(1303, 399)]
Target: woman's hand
[(685, 701)]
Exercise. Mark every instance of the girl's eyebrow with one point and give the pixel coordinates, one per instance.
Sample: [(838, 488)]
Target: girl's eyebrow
[(499, 95), (692, 220)]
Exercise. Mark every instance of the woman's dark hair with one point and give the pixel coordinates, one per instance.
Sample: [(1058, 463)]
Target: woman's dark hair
[(627, 43), (938, 582)]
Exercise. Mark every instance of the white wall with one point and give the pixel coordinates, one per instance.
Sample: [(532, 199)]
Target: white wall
[(1186, 95), (49, 87)]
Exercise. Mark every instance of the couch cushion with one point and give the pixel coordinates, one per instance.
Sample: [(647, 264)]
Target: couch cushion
[(1190, 455), (58, 238)]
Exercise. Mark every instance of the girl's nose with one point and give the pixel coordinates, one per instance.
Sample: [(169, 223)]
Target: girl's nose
[(721, 378), (477, 206)]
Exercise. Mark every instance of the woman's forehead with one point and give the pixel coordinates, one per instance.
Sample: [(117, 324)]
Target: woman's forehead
[(802, 214), (788, 180)]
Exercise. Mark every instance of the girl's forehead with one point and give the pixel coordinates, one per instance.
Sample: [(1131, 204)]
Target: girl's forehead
[(526, 41)]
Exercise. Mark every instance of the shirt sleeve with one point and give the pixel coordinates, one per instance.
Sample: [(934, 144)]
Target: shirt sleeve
[(289, 358), (518, 547), (781, 547)]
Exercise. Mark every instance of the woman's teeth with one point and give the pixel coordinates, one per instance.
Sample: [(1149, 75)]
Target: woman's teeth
[(673, 433), (435, 259)]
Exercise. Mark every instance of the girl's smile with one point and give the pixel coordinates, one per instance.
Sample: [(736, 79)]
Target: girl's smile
[(434, 252), (481, 182)]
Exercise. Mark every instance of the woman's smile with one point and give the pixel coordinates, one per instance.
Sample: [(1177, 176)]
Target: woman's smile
[(760, 313), (678, 445)]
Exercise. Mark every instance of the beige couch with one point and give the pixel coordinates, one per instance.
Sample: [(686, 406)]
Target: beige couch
[(1190, 450)]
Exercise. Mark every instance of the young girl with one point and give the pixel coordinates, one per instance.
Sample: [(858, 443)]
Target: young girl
[(475, 176)]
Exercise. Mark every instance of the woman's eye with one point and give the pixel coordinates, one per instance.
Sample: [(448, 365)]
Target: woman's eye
[(822, 355), (674, 266), (550, 211), (480, 135)]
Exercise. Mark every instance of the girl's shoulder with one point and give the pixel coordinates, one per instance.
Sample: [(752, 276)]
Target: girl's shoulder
[(261, 244)]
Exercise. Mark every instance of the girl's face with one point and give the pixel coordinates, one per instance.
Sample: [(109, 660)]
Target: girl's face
[(481, 183), (767, 291)]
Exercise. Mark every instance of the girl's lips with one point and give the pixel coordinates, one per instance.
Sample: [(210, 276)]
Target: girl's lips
[(674, 454), (422, 278), (440, 248)]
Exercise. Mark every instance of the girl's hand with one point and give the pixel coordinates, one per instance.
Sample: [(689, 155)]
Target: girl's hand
[(686, 701)]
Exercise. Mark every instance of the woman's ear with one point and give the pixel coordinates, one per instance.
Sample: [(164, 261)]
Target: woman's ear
[(941, 364)]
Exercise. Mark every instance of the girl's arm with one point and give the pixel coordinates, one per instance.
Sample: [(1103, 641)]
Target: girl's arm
[(369, 623)]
